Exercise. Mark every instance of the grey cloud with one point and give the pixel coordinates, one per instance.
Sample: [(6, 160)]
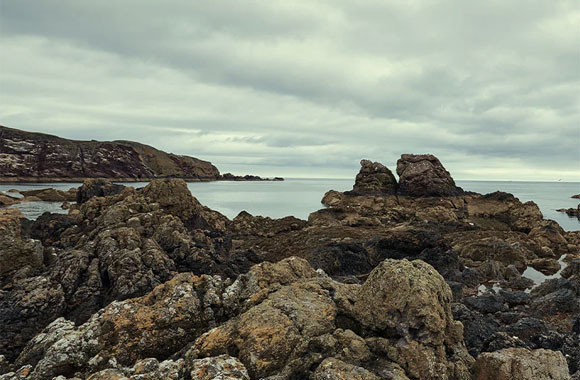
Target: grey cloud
[(302, 84)]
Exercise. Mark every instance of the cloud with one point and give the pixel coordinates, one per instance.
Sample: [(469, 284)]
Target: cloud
[(312, 86)]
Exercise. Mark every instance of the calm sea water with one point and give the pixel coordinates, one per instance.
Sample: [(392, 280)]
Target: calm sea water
[(300, 197)]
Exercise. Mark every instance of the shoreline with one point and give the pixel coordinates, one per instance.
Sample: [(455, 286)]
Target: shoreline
[(15, 180)]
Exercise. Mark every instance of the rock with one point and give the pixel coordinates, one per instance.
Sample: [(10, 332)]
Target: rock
[(25, 308), (156, 325), (6, 200), (477, 328), (397, 301), (520, 363), (571, 211), (572, 270), (97, 188), (374, 179), (52, 195), (577, 196), (24, 256), (424, 175), (222, 367), (334, 369), (486, 304), (545, 265), (342, 259)]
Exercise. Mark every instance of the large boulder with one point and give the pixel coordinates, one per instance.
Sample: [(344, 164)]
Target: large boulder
[(409, 304), (374, 179), (521, 364), (424, 175)]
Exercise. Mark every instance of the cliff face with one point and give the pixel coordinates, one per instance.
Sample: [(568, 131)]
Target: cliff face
[(27, 156)]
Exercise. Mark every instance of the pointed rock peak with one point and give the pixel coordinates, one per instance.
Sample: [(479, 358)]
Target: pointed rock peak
[(374, 179), (424, 175)]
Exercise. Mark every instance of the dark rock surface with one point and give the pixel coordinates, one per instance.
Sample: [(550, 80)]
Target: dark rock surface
[(424, 175), (374, 179)]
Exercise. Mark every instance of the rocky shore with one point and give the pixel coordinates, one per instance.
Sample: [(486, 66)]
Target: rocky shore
[(407, 280)]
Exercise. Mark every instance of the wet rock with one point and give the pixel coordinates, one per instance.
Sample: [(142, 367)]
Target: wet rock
[(424, 175), (520, 363), (96, 188), (374, 179)]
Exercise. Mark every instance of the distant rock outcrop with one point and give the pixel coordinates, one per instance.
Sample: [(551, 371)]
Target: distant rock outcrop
[(374, 179), (27, 156), (424, 175)]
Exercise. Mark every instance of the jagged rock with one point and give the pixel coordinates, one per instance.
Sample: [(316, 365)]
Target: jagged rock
[(24, 256), (424, 175), (572, 270), (477, 328), (374, 179), (25, 307), (96, 188), (520, 363), (155, 325), (487, 303)]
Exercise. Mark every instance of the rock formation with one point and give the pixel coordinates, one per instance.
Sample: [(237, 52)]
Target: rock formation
[(423, 175), (381, 284), (374, 179)]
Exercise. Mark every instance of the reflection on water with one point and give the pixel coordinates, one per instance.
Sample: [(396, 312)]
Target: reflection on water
[(538, 277)]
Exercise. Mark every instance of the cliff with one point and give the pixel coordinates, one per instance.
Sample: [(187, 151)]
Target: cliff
[(36, 157)]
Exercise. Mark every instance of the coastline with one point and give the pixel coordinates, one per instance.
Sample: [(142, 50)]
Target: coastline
[(15, 180)]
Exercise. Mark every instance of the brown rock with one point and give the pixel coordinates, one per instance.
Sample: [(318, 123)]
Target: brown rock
[(521, 364), (410, 302), (424, 175), (334, 369), (374, 179)]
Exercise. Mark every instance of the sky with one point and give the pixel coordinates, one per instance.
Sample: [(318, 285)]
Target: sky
[(305, 88)]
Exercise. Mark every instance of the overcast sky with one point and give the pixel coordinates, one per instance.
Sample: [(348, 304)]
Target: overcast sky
[(305, 88)]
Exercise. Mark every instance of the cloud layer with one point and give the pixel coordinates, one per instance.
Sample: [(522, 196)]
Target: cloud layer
[(305, 88)]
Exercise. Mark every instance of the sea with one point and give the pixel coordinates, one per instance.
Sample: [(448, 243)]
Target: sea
[(300, 196)]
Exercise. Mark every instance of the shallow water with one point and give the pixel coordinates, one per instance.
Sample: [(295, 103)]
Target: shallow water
[(300, 197)]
